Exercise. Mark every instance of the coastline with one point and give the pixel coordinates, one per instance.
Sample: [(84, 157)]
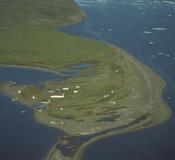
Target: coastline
[(145, 71), (151, 74), (166, 113), (162, 102), (140, 67)]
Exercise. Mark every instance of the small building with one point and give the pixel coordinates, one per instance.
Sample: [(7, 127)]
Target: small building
[(77, 87), (133, 89), (75, 91), (106, 95), (40, 110), (33, 97), (65, 89), (57, 95), (53, 123), (14, 99), (116, 71), (61, 109), (51, 91), (45, 101), (19, 91), (113, 102)]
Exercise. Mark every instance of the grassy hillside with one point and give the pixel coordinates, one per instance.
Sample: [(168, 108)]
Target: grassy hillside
[(28, 36), (49, 49), (40, 14)]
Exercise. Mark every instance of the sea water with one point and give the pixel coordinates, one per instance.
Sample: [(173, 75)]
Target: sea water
[(146, 29)]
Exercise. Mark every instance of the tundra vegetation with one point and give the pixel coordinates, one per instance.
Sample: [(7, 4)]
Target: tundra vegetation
[(104, 92)]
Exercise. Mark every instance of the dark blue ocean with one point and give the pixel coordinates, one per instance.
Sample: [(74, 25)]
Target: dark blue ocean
[(145, 29)]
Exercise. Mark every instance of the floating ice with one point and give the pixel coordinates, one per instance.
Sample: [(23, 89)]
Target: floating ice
[(167, 55), (152, 56), (158, 29), (160, 53), (151, 43), (147, 32)]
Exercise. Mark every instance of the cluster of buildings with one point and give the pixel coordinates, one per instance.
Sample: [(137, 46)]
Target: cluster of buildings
[(60, 94), (52, 94), (56, 93)]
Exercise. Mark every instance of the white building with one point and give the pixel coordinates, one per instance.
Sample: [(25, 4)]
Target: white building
[(51, 91), (107, 95), (60, 95), (53, 123), (77, 87), (75, 91), (45, 101), (65, 89), (19, 91)]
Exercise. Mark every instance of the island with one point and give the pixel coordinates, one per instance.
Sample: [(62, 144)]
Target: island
[(104, 90)]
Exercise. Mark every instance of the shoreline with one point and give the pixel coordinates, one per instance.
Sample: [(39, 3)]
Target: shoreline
[(81, 150), (136, 128), (133, 61), (163, 120), (84, 147), (148, 73)]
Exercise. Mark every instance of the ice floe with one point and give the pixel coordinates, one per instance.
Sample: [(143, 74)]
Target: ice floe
[(147, 32), (158, 29), (152, 56), (151, 43)]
